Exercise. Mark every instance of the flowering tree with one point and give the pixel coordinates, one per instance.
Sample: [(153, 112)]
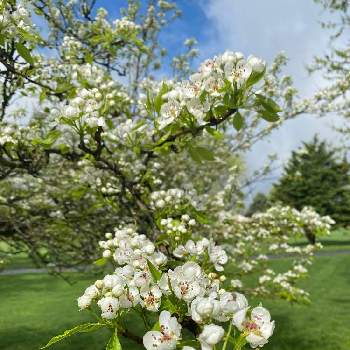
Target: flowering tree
[(335, 64), (155, 164), (100, 119), (252, 241)]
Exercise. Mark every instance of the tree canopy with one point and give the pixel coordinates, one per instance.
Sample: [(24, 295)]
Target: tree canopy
[(316, 176)]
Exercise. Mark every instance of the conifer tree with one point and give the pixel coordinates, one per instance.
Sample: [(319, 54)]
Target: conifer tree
[(316, 176)]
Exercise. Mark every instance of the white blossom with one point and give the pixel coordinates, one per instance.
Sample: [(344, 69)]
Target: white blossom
[(258, 327), (167, 337), (210, 336)]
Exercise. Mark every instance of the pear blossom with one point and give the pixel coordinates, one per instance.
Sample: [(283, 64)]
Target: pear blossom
[(210, 336), (84, 302), (257, 328), (218, 257), (110, 138), (230, 303), (130, 298), (92, 291), (188, 281), (151, 298), (109, 307), (203, 309), (167, 337)]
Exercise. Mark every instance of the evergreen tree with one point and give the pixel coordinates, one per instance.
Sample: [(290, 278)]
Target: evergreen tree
[(316, 176), (259, 204)]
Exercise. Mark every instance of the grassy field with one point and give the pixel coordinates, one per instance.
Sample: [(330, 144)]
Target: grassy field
[(338, 240), (36, 307)]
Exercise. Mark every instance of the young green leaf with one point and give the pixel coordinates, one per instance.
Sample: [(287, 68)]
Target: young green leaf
[(268, 104), (269, 116), (200, 154), (254, 78), (24, 53), (114, 343), (238, 121), (101, 262), (158, 101), (50, 139), (215, 133), (82, 328), (156, 274)]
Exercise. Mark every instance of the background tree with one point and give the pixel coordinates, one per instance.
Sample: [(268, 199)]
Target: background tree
[(334, 65), (316, 176), (259, 204)]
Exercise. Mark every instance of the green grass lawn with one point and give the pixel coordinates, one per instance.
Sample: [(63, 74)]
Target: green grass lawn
[(35, 307), (339, 239)]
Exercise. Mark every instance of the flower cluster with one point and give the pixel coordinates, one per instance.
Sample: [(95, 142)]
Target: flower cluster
[(251, 242), (182, 226), (173, 197), (127, 247), (14, 21), (7, 134), (202, 249), (207, 87), (187, 290), (125, 26), (91, 103), (131, 283), (71, 47)]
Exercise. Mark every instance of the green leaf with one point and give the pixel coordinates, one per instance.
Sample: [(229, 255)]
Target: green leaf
[(173, 305), (101, 262), (42, 95), (269, 116), (50, 138), (202, 218), (254, 78), (219, 111), (28, 36), (156, 274), (24, 53), (194, 155), (158, 101), (217, 135), (82, 328), (229, 101), (168, 305), (200, 154), (268, 103), (63, 148), (163, 138), (163, 238), (238, 121), (114, 343)]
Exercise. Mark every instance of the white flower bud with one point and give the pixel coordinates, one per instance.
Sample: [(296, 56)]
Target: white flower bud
[(84, 302), (192, 222), (99, 284), (106, 253), (210, 336)]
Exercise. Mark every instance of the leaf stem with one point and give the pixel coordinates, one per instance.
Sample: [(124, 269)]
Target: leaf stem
[(227, 336)]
